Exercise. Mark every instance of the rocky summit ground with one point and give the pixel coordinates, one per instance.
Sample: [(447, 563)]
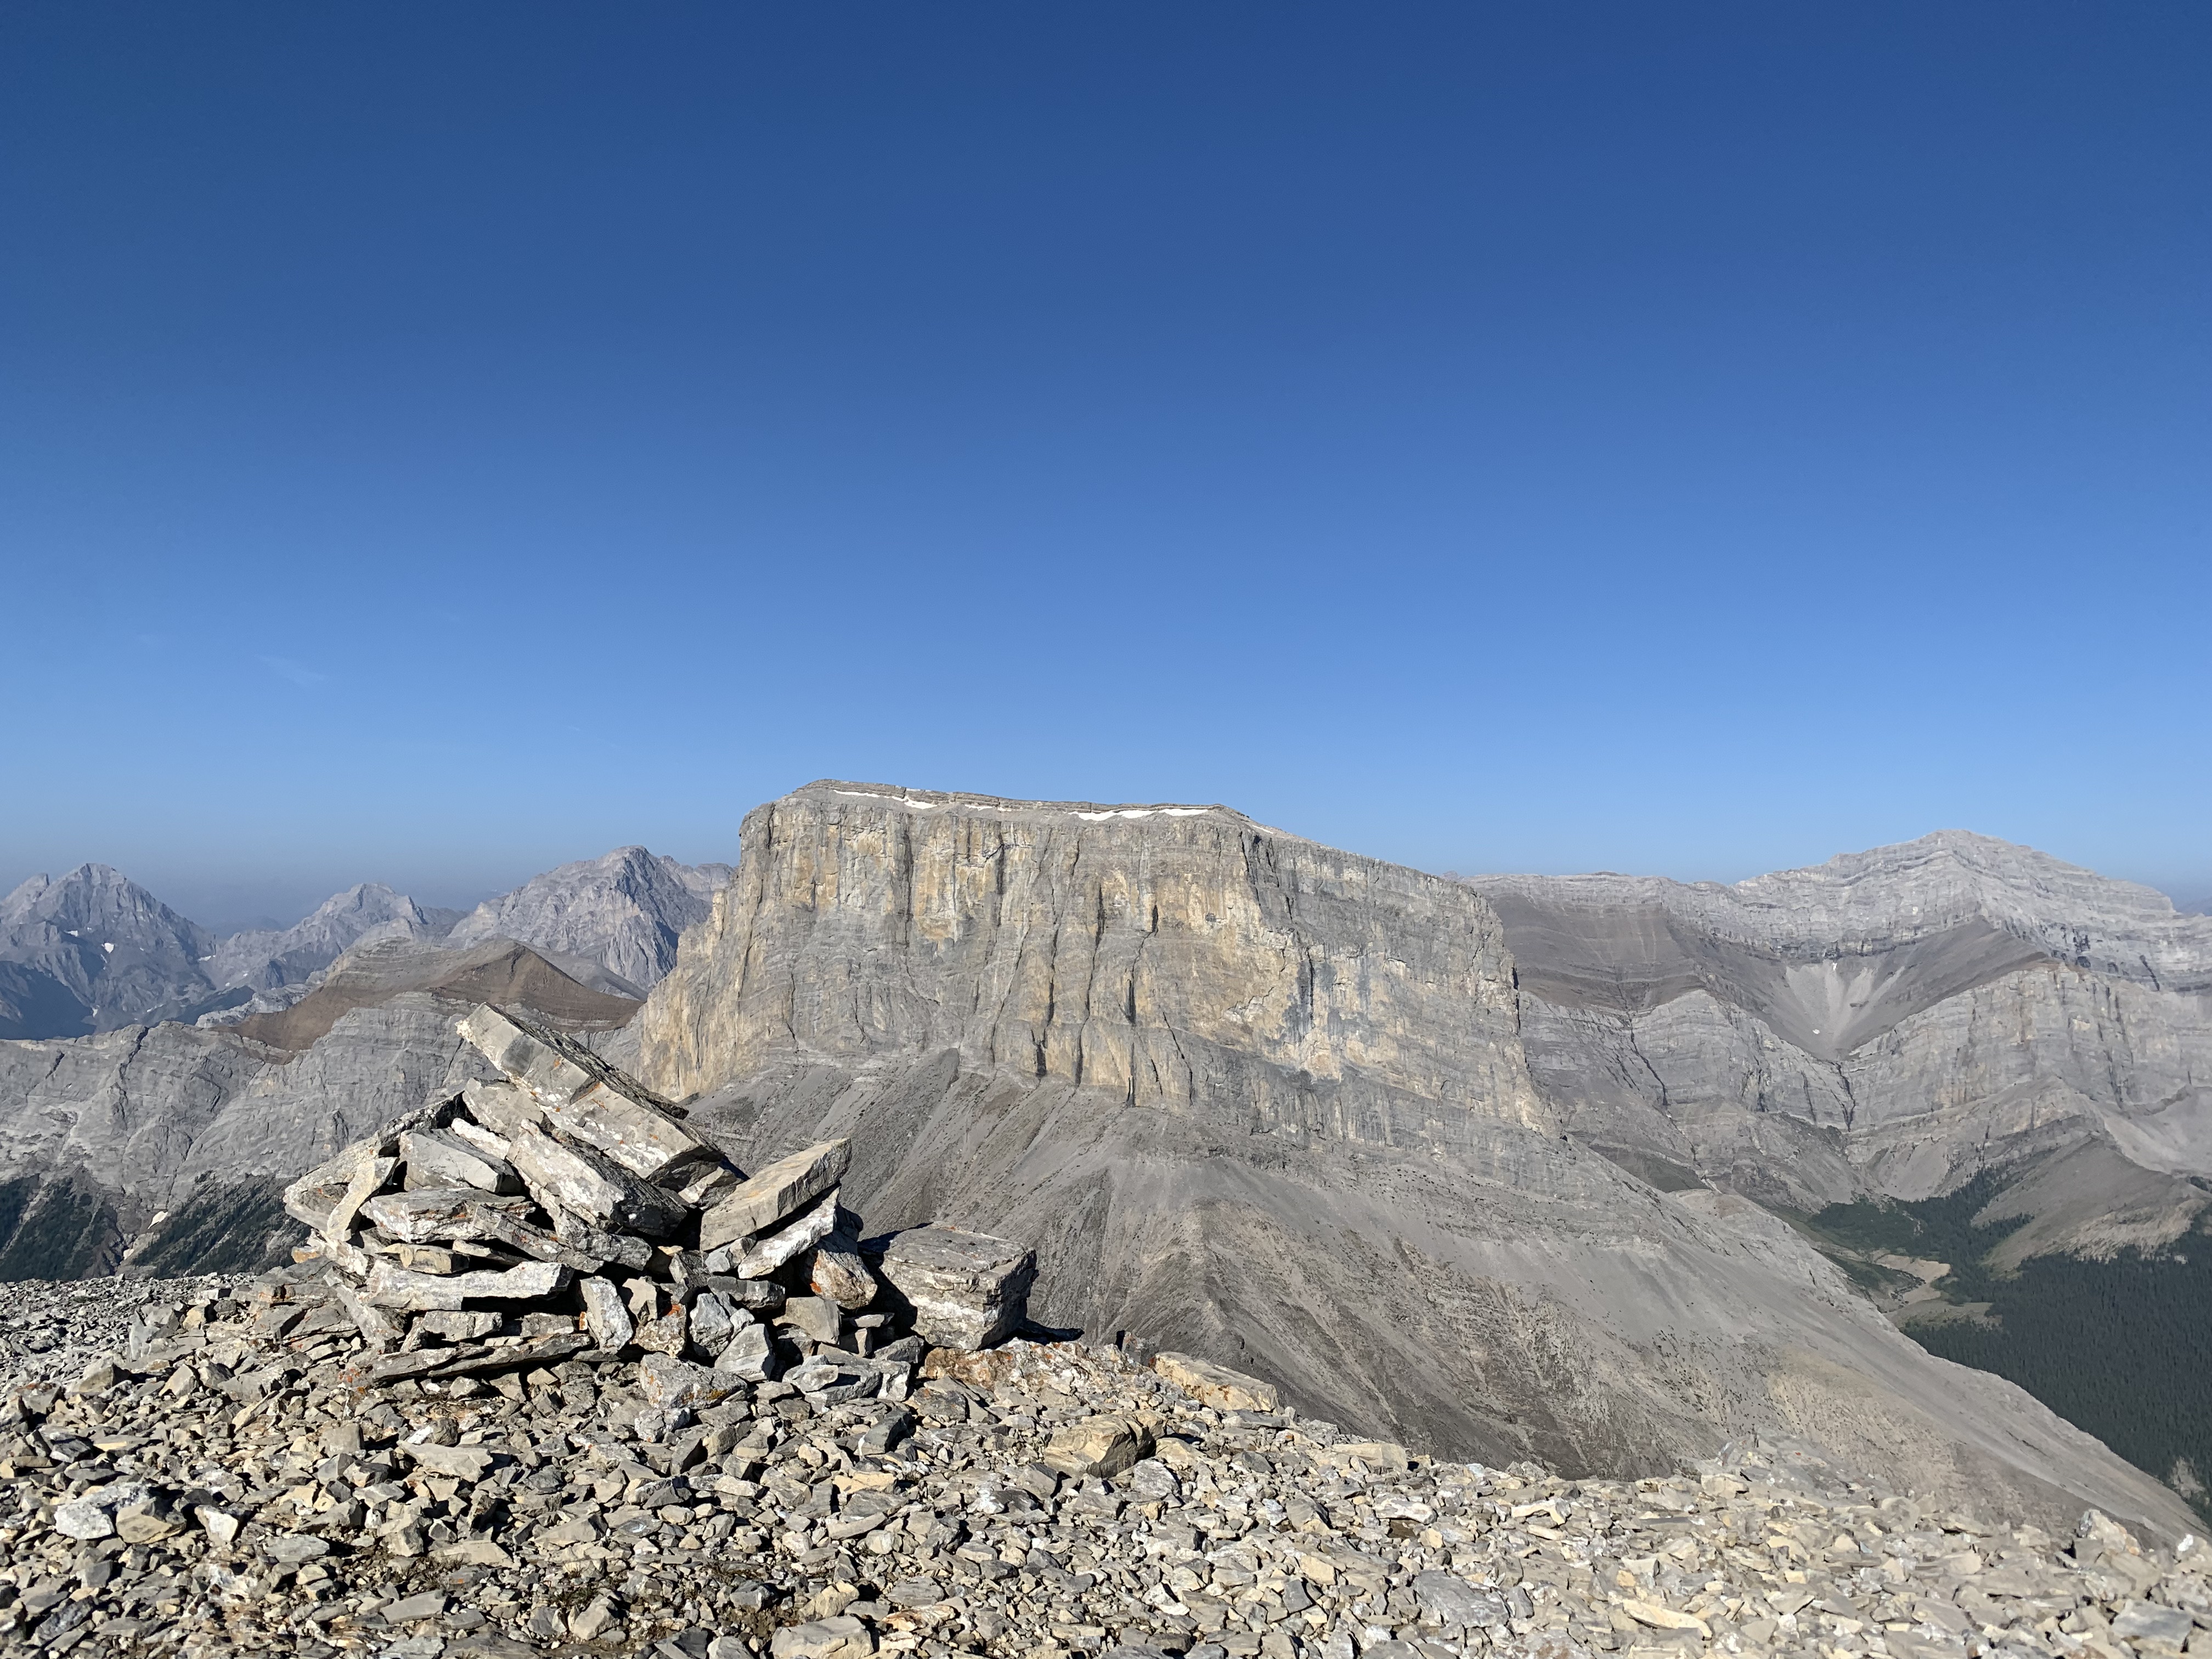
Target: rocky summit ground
[(239, 1485)]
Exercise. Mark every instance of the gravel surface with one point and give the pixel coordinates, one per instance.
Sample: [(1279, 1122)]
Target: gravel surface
[(229, 1479)]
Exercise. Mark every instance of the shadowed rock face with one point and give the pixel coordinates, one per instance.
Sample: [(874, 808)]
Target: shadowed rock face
[(1268, 1102)]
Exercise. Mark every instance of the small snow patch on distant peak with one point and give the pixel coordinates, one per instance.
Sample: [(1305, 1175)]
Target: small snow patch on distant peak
[(1145, 812)]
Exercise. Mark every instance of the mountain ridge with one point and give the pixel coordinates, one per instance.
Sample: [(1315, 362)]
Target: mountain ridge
[(1263, 1099), (132, 960)]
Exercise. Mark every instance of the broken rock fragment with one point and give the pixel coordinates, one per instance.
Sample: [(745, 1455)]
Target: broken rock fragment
[(781, 1189), (437, 1159), (669, 1383), (429, 1214), (836, 1270), (393, 1286), (315, 1197), (965, 1289), (605, 1315), (1101, 1446), (584, 1099), (502, 1110), (594, 1187), (1217, 1385), (804, 1234), (751, 1354)]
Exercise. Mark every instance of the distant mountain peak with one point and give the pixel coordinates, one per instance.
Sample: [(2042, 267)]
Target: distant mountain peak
[(93, 950), (623, 910)]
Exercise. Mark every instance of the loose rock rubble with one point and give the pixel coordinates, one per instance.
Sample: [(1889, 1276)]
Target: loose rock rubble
[(511, 1401), (237, 1483)]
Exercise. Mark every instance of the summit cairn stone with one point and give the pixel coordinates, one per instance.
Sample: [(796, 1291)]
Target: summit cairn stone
[(527, 1234), (800, 1236), (783, 1188), (437, 1159), (583, 1098), (585, 1183), (965, 1289)]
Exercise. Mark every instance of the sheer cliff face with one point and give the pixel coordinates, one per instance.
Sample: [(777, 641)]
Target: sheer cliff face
[(1181, 957), (1263, 1100)]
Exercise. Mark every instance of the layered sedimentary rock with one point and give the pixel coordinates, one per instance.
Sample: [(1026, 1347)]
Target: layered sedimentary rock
[(1268, 1103), (1894, 1021), (1181, 957)]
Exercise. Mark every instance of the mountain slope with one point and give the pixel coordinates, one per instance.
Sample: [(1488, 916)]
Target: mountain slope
[(167, 1147), (1933, 1009), (93, 951), (269, 959), (1266, 1100), (1953, 1029), (624, 911)]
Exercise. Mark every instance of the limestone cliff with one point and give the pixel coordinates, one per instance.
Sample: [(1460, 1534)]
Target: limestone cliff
[(1176, 957), (1266, 1101)]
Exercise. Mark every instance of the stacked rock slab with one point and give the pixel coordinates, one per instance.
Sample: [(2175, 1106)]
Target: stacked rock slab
[(569, 1213), (961, 1290)]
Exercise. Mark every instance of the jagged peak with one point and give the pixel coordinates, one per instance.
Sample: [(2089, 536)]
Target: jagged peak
[(96, 893)]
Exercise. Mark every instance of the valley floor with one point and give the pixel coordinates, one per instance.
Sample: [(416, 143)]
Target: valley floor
[(241, 1486)]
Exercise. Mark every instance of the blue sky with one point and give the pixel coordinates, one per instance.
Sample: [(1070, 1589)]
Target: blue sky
[(439, 442)]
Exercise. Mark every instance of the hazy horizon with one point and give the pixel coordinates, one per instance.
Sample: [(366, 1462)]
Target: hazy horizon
[(232, 905), (438, 444)]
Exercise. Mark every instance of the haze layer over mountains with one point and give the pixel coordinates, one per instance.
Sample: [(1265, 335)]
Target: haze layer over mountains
[(95, 951), (1518, 1165)]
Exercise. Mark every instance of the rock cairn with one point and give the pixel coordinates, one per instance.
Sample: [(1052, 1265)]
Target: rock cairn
[(569, 1213)]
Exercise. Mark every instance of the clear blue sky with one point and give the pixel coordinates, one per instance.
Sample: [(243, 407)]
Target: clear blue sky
[(436, 442)]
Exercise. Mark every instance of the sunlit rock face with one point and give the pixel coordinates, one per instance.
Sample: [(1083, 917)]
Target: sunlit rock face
[(1181, 958), (1268, 1102)]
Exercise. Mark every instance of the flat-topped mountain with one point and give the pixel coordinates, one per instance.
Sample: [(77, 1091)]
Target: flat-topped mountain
[(1470, 1164), (1261, 1099)]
